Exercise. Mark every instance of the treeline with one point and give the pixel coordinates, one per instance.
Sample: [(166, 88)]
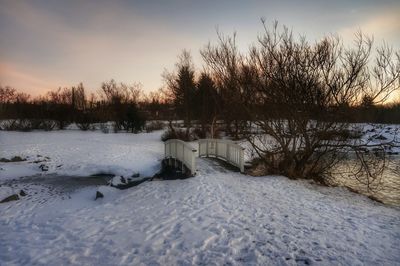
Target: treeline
[(125, 105), (386, 114), (278, 75), (192, 97)]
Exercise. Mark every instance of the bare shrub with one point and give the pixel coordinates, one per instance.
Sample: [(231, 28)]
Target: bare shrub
[(300, 97), (104, 127), (154, 125), (17, 125), (84, 121), (28, 124), (176, 133), (199, 132), (48, 125)]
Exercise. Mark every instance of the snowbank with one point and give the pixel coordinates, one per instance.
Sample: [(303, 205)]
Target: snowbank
[(78, 153)]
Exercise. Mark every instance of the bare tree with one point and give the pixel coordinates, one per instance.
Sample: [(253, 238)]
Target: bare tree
[(228, 68), (78, 97), (7, 94), (301, 94), (122, 101), (206, 103)]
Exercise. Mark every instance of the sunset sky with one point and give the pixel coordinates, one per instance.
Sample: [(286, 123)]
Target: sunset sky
[(47, 44)]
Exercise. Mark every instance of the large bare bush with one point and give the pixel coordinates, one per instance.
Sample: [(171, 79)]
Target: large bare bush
[(300, 95)]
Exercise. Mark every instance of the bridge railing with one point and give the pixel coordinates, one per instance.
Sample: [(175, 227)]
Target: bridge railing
[(227, 150), (182, 151)]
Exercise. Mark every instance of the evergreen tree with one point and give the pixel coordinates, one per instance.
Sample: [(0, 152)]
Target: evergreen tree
[(182, 87), (206, 100)]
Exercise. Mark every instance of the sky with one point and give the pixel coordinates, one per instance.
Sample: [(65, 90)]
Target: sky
[(48, 44)]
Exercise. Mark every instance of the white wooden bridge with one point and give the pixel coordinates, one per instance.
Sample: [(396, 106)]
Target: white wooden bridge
[(181, 154)]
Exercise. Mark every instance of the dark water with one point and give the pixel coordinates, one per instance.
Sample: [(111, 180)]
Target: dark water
[(385, 189), (388, 190), (66, 184)]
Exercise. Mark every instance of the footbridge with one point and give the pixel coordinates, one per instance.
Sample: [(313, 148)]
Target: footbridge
[(183, 155)]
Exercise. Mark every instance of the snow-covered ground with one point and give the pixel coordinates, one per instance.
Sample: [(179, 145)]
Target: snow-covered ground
[(78, 153), (375, 134), (217, 217), (370, 136)]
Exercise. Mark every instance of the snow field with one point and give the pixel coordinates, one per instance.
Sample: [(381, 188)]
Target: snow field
[(217, 217), (77, 153)]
